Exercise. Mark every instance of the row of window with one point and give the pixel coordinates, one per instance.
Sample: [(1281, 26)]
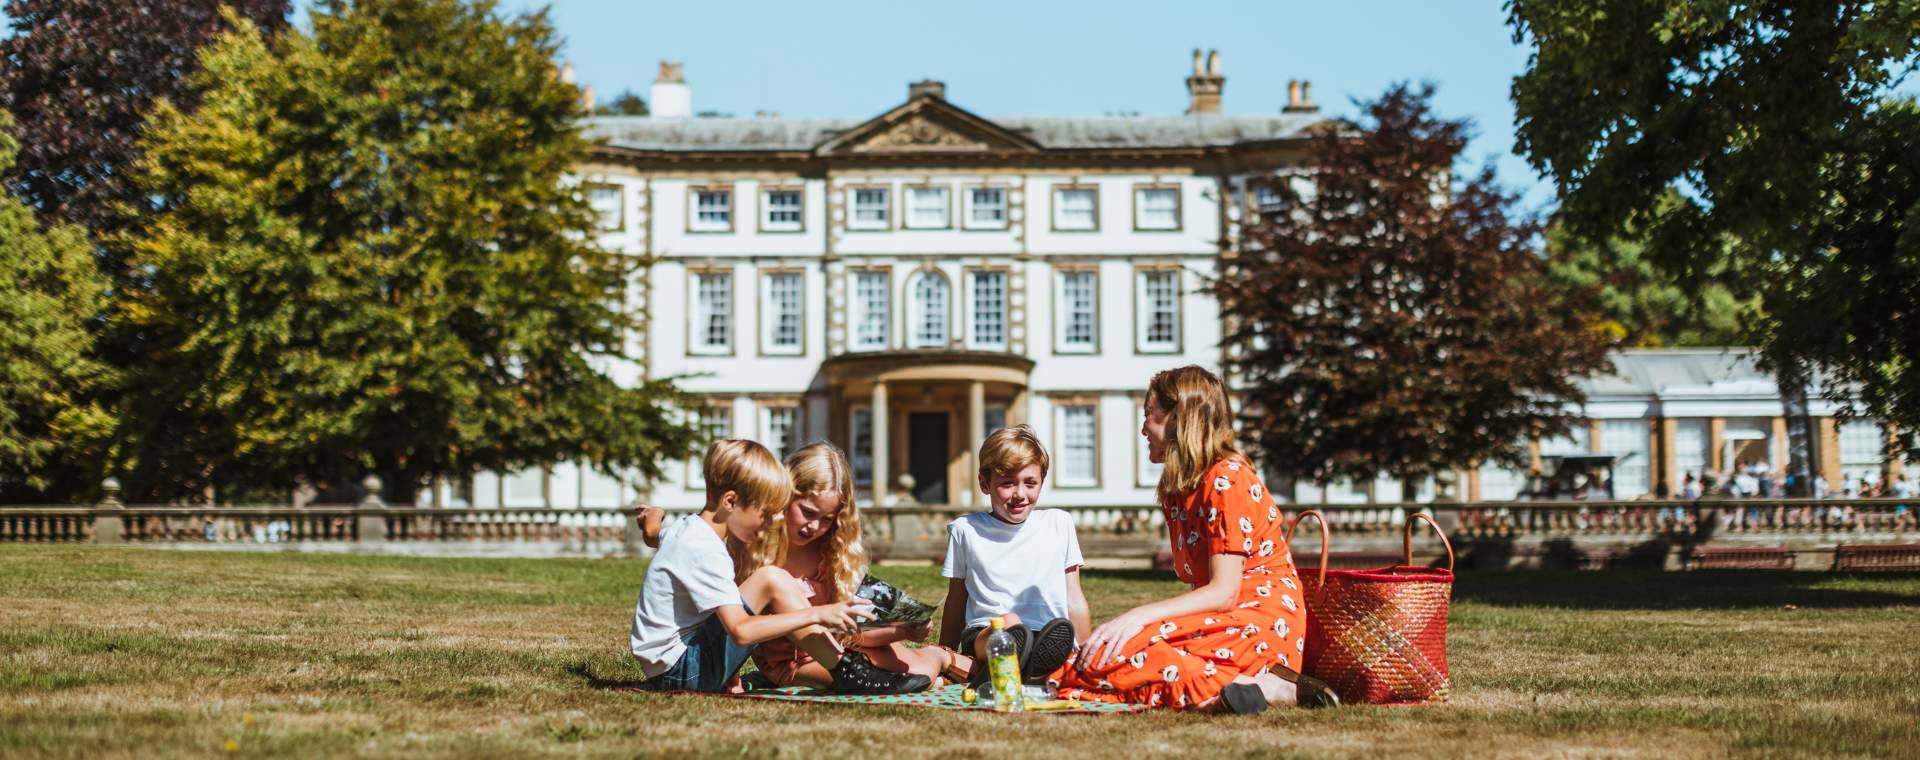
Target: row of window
[(1075, 208), (929, 311), (1076, 445)]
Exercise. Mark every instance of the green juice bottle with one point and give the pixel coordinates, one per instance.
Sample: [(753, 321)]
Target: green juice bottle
[(1003, 670)]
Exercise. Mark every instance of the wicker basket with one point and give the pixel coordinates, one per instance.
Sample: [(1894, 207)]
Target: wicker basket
[(1379, 636)]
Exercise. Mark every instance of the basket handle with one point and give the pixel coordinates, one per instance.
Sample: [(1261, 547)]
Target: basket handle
[(1406, 540), (1324, 543)]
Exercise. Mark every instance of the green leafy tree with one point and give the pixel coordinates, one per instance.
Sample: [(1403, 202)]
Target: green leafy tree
[(1395, 320), (50, 294), (1644, 304), (1785, 128), (624, 104), (368, 258)]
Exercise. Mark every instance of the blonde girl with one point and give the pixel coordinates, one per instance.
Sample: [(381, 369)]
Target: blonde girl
[(816, 539)]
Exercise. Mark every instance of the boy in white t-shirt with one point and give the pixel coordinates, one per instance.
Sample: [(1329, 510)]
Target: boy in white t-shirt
[(1014, 562), (693, 628)]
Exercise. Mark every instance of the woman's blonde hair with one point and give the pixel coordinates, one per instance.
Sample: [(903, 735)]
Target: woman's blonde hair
[(817, 470), (1199, 427)]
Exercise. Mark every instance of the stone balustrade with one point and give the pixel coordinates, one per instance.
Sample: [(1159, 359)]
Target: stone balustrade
[(1484, 534)]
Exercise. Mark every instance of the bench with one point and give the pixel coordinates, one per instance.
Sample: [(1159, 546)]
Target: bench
[(1855, 558), (1740, 558)]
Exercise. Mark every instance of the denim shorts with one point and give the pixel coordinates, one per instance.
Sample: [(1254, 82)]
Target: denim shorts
[(710, 661)]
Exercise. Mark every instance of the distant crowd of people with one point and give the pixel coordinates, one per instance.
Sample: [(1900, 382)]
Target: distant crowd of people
[(1757, 480)]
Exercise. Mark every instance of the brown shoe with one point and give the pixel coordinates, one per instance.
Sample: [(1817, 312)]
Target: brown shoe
[(1308, 692)]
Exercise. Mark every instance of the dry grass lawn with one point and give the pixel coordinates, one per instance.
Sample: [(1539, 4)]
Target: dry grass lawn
[(148, 653)]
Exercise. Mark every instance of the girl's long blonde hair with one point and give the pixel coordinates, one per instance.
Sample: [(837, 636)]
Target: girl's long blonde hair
[(1199, 427), (818, 469)]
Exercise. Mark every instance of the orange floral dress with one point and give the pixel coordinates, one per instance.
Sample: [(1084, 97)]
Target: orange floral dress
[(1185, 661)]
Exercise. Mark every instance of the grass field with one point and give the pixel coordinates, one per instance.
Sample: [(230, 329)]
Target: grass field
[(146, 653)]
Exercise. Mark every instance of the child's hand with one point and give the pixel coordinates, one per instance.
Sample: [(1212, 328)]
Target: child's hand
[(843, 617), (650, 518)]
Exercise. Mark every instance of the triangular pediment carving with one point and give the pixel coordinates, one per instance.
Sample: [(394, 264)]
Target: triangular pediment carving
[(927, 124), (919, 133)]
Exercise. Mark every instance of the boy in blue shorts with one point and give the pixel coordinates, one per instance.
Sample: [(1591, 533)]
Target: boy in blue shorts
[(693, 628)]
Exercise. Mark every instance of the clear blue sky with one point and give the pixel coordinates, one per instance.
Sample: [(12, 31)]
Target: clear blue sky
[(1037, 58), (1040, 58)]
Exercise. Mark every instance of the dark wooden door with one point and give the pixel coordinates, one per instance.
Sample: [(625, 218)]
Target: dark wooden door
[(927, 455)]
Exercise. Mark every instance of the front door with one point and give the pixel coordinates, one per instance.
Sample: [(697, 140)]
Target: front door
[(927, 456)]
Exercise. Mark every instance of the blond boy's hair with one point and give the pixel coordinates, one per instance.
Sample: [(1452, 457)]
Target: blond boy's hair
[(1009, 450), (758, 481)]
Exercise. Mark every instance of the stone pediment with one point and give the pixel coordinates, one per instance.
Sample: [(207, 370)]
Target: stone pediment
[(927, 124), (919, 133)]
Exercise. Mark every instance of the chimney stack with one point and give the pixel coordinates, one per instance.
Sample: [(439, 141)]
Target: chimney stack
[(1204, 86), (932, 87), (670, 97), (1300, 97)]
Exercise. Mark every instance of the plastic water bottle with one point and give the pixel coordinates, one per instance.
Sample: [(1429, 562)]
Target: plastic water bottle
[(1003, 670)]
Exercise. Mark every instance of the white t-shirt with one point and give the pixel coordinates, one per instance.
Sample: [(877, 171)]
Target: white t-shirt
[(1020, 569), (690, 577)]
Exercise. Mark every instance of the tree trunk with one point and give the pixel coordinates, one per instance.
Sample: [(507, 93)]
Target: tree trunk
[(1792, 379)]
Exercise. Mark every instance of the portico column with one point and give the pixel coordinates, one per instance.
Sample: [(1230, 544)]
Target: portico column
[(878, 440), (976, 433)]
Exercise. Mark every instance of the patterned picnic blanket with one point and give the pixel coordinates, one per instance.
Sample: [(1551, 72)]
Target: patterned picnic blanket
[(944, 698)]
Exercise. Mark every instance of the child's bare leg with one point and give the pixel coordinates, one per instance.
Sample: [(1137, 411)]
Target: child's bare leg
[(900, 658), (771, 589), (980, 642), (811, 674)]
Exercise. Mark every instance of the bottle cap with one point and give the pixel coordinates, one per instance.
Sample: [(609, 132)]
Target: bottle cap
[(998, 624)]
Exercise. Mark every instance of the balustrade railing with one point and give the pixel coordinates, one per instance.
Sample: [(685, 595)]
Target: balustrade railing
[(919, 532)]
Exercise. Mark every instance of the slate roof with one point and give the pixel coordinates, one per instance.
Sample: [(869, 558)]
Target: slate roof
[(1648, 372), (1055, 132)]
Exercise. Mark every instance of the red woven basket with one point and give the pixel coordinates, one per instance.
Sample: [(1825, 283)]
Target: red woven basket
[(1379, 636)]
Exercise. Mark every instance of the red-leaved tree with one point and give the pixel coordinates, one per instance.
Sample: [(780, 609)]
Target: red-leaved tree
[(1386, 318), (80, 77)]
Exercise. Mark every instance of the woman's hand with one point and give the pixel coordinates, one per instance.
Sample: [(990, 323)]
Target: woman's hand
[(1108, 639)]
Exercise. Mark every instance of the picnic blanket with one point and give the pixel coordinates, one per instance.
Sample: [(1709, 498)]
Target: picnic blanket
[(944, 698)]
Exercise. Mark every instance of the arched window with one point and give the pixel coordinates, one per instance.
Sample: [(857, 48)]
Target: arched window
[(927, 310)]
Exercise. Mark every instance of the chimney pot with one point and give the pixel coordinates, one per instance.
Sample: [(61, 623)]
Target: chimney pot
[(566, 73), (933, 87), (670, 97), (1300, 97), (1203, 88)]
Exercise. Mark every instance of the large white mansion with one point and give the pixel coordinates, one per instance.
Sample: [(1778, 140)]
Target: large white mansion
[(904, 284)]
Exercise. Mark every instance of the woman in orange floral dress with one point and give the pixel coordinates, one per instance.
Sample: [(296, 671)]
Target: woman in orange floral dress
[(1234, 642)]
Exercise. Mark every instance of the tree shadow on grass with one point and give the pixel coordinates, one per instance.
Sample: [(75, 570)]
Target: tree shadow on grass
[(585, 672), (1130, 574), (1704, 589)]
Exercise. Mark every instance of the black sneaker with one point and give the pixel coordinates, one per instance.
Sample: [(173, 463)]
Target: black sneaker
[(1022, 643), (1049, 650), (858, 675)]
